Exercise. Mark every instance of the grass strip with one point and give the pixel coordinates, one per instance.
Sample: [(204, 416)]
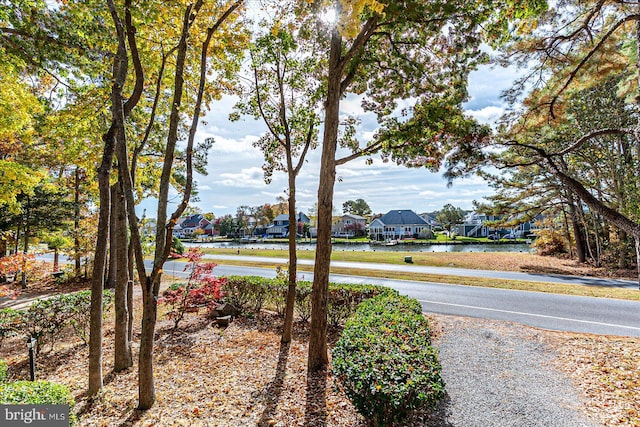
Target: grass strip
[(520, 285)]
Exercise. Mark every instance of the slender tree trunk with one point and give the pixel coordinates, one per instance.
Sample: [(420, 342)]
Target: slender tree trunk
[(120, 66), (577, 231), (318, 352), (17, 245), (130, 310), (567, 233), (76, 223), (596, 236), (112, 270), (56, 259), (293, 257), (623, 250), (130, 290), (27, 231), (146, 387), (99, 265), (122, 354)]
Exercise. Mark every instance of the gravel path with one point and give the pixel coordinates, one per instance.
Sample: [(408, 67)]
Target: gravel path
[(501, 374)]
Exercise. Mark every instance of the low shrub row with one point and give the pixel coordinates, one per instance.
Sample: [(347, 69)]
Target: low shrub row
[(45, 319), (385, 362), (255, 293)]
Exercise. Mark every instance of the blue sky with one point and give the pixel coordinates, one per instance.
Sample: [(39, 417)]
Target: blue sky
[(235, 176)]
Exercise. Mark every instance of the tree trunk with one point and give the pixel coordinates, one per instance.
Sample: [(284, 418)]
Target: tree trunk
[(120, 64), (293, 257), (112, 270), (318, 353), (623, 250), (99, 265), (567, 233), (56, 259), (130, 310), (615, 217), (25, 248), (76, 223), (122, 354), (130, 284), (17, 241), (577, 231), (146, 387), (151, 286)]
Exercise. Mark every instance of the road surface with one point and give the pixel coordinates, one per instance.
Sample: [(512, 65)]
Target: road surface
[(548, 311)]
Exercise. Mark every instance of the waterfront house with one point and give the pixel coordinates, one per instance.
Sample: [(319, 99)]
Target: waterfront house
[(399, 224), (350, 225)]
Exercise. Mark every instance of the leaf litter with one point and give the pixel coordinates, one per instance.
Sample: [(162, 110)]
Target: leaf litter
[(242, 376)]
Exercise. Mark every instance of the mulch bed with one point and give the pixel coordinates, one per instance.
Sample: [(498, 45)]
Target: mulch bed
[(205, 376)]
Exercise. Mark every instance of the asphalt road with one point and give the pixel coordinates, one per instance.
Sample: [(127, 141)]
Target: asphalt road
[(548, 311), (452, 271)]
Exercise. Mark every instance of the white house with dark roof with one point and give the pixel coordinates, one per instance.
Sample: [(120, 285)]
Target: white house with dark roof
[(399, 224)]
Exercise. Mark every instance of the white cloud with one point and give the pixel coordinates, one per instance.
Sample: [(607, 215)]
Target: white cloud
[(247, 178), (235, 176), (241, 145), (487, 115)]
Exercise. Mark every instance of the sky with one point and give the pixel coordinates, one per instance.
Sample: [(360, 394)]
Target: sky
[(235, 174)]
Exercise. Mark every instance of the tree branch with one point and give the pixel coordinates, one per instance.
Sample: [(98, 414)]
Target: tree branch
[(587, 57)]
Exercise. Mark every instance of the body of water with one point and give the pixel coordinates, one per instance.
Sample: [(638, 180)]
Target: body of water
[(411, 247)]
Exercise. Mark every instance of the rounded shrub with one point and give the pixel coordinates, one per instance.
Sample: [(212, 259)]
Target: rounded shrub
[(385, 362)]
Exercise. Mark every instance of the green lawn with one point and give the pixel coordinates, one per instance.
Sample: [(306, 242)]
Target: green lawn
[(438, 259)]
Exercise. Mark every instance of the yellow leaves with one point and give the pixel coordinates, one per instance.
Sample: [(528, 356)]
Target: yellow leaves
[(18, 105), (15, 179), (351, 15)]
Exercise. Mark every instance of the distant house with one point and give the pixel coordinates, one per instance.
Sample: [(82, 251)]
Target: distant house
[(349, 225), (474, 225), (188, 225), (399, 224), (301, 217), (280, 226), (431, 220), (209, 229)]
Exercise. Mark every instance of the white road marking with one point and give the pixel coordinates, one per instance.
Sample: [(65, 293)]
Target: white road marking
[(531, 314)]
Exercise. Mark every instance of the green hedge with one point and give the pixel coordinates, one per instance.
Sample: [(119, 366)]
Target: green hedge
[(46, 318), (254, 293), (385, 362), (37, 393)]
